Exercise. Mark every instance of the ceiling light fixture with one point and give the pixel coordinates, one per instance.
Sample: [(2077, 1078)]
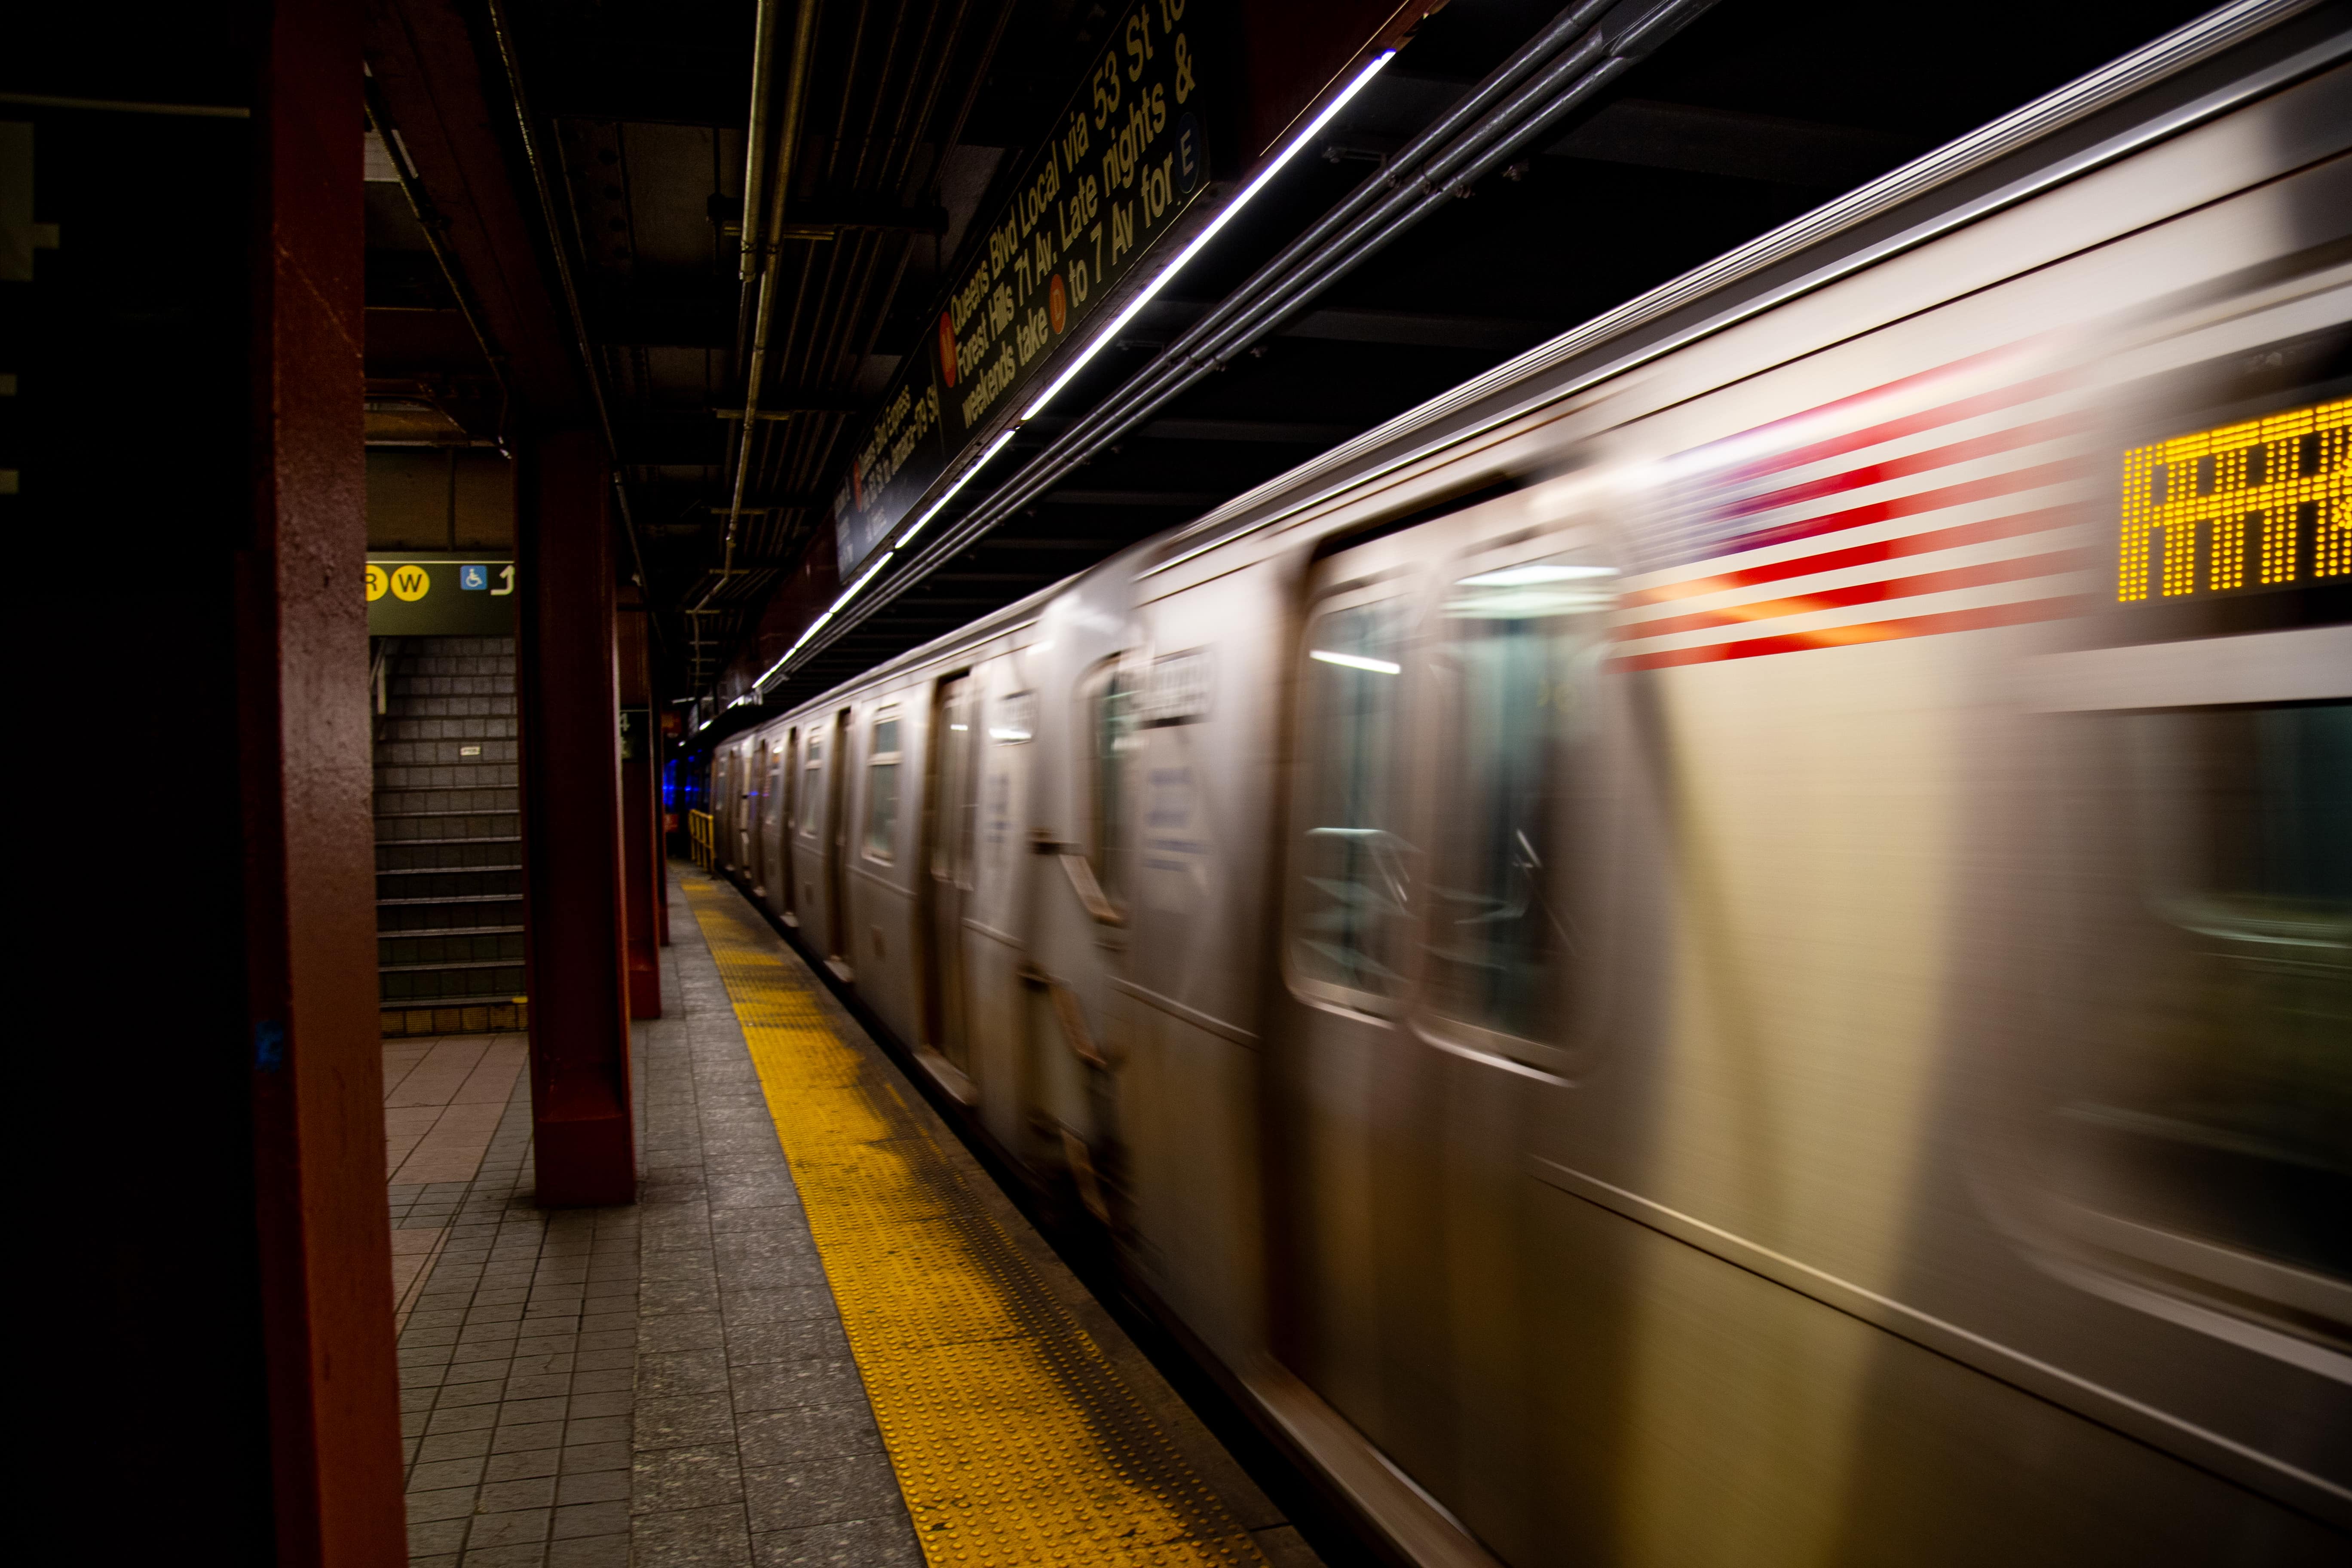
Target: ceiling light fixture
[(1144, 296), (1200, 241)]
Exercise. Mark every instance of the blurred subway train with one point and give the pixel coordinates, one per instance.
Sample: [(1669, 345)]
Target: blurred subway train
[(1732, 945)]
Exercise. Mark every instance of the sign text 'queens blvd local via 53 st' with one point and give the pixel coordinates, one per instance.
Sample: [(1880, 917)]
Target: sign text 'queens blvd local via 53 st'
[(429, 594), (1129, 156)]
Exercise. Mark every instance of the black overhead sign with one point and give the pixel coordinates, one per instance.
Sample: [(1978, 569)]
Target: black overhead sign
[(1130, 156), (436, 593)]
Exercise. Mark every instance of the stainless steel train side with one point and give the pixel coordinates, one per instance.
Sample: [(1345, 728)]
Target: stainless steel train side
[(1633, 1017)]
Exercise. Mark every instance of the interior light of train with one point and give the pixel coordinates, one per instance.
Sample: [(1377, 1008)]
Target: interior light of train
[(1200, 241), (1353, 661), (960, 729), (1521, 576), (1000, 732), (2266, 504)]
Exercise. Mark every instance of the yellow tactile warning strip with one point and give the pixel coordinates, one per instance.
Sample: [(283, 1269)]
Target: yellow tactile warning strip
[(1013, 1440)]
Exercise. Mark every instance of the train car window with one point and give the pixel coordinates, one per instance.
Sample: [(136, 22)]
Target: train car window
[(957, 801), (812, 795), (1516, 652), (790, 781), (882, 789), (1111, 743), (1354, 891), (2211, 1093)]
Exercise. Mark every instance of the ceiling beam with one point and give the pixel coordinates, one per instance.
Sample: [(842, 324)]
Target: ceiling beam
[(426, 64)]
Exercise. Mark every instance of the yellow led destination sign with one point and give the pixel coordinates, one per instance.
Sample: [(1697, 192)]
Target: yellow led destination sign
[(2262, 504)]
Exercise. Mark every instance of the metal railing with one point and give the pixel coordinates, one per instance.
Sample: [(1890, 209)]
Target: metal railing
[(702, 828)]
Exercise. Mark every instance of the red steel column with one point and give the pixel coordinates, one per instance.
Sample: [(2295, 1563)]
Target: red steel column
[(572, 871), (325, 1243), (641, 814)]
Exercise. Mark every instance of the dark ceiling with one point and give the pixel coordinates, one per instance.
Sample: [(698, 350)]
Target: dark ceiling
[(917, 119)]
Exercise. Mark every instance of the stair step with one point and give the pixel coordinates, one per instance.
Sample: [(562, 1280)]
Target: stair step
[(394, 1004), (443, 870), (457, 898), (509, 838), (485, 811)]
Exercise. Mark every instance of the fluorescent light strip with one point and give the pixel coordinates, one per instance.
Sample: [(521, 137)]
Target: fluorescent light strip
[(1225, 216), (1149, 290), (962, 479), (1351, 661), (883, 559)]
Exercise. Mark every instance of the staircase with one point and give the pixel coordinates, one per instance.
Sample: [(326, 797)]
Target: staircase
[(449, 847)]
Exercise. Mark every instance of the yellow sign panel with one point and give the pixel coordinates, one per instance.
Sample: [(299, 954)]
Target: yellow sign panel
[(2267, 504), (376, 582), (410, 582)]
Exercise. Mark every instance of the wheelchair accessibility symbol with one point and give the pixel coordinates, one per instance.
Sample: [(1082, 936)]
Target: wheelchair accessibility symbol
[(473, 579)]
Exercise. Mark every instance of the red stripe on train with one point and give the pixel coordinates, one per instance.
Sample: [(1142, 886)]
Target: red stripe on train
[(1908, 425), (1981, 575), (2018, 613), (1911, 464), (1961, 494), (1886, 389), (1953, 538)]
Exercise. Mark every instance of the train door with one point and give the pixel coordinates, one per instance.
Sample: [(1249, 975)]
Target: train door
[(788, 866), (808, 836), (1356, 1160), (775, 777), (949, 805), (997, 908), (720, 800), (1441, 862), (755, 819), (838, 947), (745, 807)]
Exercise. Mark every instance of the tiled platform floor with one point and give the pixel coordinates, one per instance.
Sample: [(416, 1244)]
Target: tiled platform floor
[(667, 1385), (442, 1099), (443, 1102)]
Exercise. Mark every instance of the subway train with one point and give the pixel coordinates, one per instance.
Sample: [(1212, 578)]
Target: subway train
[(1733, 944)]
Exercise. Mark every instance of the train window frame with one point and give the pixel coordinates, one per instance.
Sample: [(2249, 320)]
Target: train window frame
[(1392, 576), (952, 805), (811, 823), (2264, 380), (792, 780), (1106, 782), (882, 850), (2214, 1280), (1585, 550)]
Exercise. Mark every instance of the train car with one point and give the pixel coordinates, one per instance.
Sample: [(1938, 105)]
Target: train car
[(1732, 945)]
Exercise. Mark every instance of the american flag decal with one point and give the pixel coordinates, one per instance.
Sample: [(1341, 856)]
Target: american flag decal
[(1945, 502)]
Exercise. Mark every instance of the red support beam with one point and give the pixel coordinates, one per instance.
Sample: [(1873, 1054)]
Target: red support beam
[(325, 1250), (641, 810), (574, 874)]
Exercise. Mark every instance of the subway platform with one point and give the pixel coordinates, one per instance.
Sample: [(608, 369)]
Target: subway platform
[(822, 1335)]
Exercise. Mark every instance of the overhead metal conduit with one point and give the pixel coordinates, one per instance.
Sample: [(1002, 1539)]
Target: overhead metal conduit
[(763, 253), (1582, 50)]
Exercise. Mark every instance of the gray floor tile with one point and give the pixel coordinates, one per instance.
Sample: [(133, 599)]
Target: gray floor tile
[(883, 1542)]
